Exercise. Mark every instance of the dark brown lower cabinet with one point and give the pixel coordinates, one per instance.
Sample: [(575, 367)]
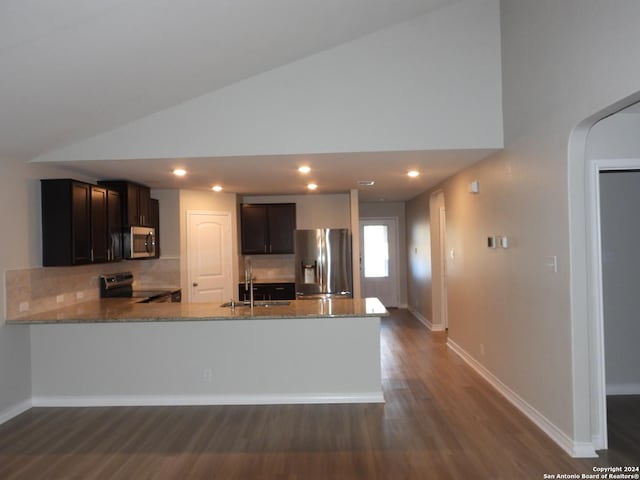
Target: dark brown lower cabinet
[(269, 291)]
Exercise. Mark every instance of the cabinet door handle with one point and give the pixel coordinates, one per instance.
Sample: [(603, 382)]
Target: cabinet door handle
[(195, 284)]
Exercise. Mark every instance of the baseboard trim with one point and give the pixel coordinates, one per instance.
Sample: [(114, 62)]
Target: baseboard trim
[(571, 447), (624, 389), (425, 321), (183, 400), (11, 412)]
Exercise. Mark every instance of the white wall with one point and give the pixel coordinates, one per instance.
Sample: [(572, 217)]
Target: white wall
[(249, 361), (394, 210), (21, 248), (169, 222), (313, 211), (431, 83), (562, 62), (620, 227), (418, 232), (616, 136)]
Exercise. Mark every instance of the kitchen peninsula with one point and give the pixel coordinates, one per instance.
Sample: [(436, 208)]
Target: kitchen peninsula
[(118, 352)]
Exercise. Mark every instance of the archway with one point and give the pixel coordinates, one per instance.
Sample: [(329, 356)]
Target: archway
[(587, 322)]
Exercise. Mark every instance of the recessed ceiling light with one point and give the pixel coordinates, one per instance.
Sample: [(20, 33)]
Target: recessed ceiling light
[(312, 186), (216, 188), (180, 172), (413, 173), (304, 169), (366, 183)]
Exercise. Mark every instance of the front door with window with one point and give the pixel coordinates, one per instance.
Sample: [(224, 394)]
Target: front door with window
[(379, 263)]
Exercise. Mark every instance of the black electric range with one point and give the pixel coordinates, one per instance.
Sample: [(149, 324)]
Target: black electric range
[(120, 285)]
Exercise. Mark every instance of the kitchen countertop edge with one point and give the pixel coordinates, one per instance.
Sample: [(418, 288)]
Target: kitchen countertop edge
[(125, 311)]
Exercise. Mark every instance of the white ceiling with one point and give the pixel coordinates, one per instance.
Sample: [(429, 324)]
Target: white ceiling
[(278, 175), (73, 68)]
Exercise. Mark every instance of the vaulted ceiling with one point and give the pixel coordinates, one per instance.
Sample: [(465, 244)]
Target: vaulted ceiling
[(72, 68)]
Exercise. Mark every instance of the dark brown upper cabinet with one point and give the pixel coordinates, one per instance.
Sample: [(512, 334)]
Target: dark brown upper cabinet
[(77, 223), (99, 228), (135, 202), (268, 228), (114, 225)]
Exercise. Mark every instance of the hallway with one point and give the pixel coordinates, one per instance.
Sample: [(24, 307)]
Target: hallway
[(440, 421)]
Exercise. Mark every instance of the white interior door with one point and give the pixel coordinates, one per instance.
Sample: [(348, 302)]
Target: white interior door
[(209, 256), (379, 262)]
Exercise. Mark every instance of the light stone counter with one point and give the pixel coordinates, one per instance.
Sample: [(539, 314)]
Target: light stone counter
[(124, 310)]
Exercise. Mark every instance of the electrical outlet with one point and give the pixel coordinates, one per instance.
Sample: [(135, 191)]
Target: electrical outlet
[(24, 306), (79, 295), (207, 375), (60, 298)]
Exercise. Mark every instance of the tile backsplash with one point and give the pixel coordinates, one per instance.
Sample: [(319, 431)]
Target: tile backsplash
[(36, 290), (269, 267)]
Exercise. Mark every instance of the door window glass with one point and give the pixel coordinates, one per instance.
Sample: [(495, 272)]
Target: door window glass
[(376, 251)]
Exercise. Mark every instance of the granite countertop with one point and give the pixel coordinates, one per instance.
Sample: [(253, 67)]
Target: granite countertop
[(123, 310)]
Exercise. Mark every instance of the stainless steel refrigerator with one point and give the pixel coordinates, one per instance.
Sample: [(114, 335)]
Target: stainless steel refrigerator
[(323, 263)]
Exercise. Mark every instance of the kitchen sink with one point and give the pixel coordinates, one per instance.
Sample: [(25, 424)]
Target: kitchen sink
[(257, 303)]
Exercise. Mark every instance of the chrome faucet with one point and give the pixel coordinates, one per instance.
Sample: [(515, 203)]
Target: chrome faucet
[(248, 279)]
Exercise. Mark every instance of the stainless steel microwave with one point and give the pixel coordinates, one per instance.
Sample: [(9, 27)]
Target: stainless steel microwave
[(140, 242)]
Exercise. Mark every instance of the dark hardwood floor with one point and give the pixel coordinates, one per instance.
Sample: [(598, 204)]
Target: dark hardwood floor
[(623, 419), (440, 421)]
